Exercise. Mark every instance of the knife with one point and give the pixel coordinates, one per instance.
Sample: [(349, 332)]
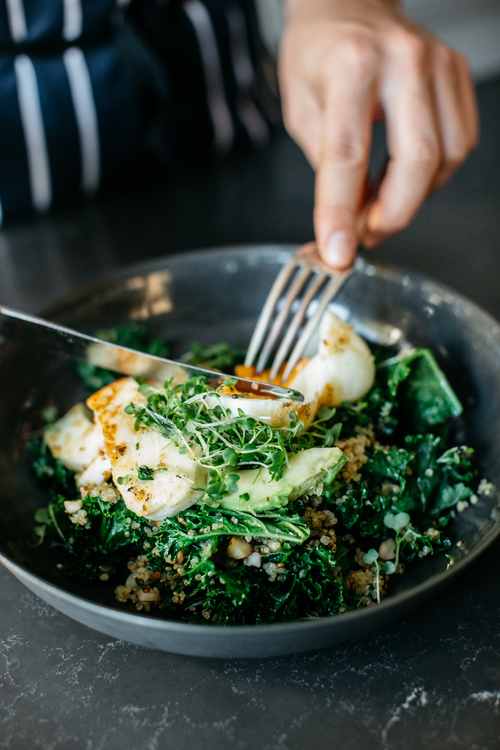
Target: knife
[(63, 342)]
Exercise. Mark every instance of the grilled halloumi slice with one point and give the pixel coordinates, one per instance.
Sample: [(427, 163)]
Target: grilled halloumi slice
[(97, 472), (136, 364), (343, 368), (74, 439), (176, 475)]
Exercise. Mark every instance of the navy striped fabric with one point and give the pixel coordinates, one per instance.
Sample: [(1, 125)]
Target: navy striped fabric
[(88, 87)]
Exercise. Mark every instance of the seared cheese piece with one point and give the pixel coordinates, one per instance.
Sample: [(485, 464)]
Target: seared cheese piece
[(74, 439), (272, 411), (176, 475), (136, 364), (97, 472), (341, 370)]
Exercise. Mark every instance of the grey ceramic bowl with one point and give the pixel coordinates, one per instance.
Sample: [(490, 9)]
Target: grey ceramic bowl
[(214, 295)]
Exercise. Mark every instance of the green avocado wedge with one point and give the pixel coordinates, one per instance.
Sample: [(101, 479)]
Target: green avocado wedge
[(258, 493)]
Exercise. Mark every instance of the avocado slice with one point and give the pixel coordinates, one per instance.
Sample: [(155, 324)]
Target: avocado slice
[(303, 473)]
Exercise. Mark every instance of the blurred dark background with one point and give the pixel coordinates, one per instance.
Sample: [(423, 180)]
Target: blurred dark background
[(265, 196)]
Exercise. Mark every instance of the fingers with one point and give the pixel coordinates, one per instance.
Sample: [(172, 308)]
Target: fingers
[(470, 109), (301, 101), (432, 121), (345, 149), (339, 63), (303, 119), (413, 139), (456, 111)]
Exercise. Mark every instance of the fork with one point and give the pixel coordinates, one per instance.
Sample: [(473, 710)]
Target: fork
[(305, 272)]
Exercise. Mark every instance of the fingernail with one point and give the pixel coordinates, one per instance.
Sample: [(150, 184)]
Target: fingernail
[(341, 249)]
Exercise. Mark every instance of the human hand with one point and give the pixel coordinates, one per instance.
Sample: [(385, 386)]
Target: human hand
[(346, 63)]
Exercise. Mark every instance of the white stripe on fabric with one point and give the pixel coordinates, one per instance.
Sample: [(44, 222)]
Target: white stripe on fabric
[(72, 20), (17, 20), (219, 111), (34, 133), (252, 119), (86, 117)]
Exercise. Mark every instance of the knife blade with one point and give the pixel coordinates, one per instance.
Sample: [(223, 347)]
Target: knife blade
[(66, 343)]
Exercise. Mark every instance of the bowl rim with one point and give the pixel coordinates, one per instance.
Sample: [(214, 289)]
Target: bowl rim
[(417, 593)]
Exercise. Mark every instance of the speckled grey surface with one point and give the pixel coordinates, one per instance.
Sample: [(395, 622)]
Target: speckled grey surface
[(431, 680)]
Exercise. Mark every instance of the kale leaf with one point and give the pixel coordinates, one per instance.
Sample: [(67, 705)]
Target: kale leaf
[(196, 525), (424, 389)]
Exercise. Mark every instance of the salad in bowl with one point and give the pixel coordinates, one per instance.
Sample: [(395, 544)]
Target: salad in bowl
[(219, 507)]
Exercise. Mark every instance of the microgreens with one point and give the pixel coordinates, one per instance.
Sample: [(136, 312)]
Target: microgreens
[(387, 568), (397, 523), (321, 430), (145, 473), (193, 413)]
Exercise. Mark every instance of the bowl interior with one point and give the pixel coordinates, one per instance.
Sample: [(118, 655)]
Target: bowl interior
[(215, 295)]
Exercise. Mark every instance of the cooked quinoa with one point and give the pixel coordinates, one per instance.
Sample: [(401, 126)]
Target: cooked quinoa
[(355, 449)]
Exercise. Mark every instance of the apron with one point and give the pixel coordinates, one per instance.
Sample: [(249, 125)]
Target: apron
[(92, 88)]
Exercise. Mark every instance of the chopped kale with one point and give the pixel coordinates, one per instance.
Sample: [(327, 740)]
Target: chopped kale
[(308, 583), (215, 357), (97, 539), (51, 473)]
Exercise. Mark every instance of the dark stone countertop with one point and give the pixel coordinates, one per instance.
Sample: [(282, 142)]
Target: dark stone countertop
[(431, 680)]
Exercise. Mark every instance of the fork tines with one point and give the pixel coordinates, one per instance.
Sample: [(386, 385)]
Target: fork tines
[(305, 275)]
